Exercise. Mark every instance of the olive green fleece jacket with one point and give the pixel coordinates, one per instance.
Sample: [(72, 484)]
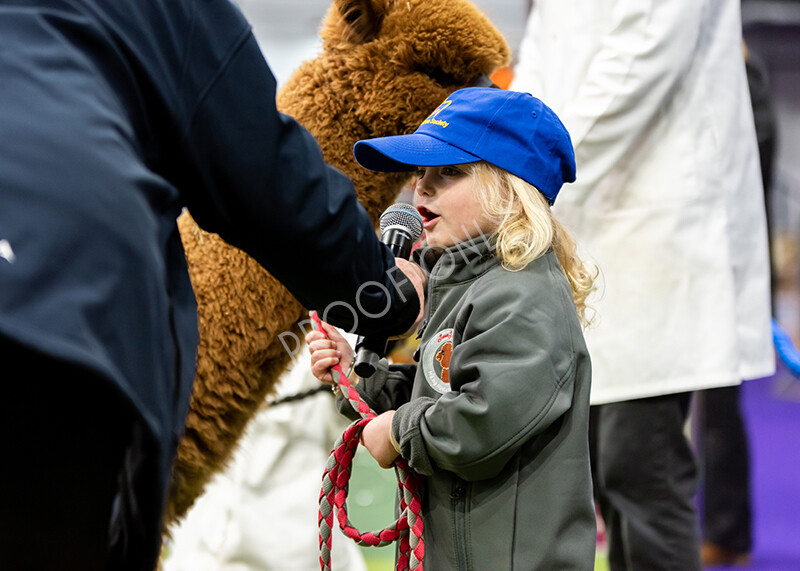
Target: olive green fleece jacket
[(496, 415)]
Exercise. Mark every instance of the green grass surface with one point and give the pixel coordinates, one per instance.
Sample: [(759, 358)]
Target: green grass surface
[(370, 506), (383, 564)]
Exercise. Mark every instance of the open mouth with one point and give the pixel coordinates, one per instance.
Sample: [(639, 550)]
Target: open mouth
[(429, 218)]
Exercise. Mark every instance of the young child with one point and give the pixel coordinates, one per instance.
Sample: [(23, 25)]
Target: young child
[(496, 412)]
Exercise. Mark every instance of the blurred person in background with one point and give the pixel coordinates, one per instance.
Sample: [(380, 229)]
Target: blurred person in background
[(668, 204), (727, 510)]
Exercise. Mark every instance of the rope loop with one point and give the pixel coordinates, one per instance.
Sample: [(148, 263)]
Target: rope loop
[(407, 529)]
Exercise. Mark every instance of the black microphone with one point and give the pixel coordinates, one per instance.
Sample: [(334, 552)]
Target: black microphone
[(401, 228)]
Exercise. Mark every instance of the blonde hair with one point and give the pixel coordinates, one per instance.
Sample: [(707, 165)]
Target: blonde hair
[(527, 228)]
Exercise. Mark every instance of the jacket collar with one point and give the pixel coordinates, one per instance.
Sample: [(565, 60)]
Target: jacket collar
[(459, 263)]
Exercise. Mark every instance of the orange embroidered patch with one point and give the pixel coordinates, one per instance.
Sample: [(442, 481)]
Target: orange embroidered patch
[(436, 360)]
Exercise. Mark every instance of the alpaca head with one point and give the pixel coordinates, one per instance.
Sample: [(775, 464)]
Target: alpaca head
[(384, 66)]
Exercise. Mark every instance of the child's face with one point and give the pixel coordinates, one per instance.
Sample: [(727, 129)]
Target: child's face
[(446, 199)]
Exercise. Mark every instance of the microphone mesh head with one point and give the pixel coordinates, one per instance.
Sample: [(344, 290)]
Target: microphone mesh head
[(405, 215)]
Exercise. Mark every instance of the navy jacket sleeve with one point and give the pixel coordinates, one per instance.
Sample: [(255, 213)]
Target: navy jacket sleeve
[(265, 188)]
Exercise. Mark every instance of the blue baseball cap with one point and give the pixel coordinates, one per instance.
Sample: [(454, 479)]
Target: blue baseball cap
[(509, 129)]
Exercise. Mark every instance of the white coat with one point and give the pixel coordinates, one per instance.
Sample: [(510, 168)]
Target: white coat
[(668, 201)]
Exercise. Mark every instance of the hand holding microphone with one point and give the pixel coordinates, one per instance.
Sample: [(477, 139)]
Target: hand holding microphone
[(401, 228), (418, 278)]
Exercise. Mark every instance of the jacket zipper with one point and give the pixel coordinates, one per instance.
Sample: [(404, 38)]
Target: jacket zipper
[(421, 330), (458, 503)]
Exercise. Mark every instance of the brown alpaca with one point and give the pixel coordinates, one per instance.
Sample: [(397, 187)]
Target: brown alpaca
[(384, 65)]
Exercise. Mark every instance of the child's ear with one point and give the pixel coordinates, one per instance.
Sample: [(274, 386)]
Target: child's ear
[(361, 19)]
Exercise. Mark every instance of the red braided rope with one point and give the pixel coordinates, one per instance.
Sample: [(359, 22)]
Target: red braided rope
[(335, 483)]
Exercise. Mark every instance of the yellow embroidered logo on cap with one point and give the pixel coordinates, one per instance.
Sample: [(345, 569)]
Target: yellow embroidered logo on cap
[(432, 120)]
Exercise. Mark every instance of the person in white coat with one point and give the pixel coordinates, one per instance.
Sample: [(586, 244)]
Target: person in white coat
[(669, 204)]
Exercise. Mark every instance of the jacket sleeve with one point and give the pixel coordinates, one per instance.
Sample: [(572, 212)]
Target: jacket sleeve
[(513, 375), (645, 52), (263, 185)]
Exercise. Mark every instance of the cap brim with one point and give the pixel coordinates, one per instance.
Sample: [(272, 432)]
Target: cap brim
[(403, 153)]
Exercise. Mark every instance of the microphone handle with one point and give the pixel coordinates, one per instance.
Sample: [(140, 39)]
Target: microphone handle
[(369, 350), (399, 240), (368, 353)]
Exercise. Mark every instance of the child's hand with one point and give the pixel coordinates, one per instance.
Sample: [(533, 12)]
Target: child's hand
[(377, 439), (328, 352)]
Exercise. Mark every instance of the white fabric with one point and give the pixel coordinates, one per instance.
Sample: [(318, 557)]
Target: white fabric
[(261, 513), (668, 201)]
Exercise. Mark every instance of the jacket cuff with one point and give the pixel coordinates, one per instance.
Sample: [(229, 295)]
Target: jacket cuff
[(377, 314), (406, 428), (393, 440)]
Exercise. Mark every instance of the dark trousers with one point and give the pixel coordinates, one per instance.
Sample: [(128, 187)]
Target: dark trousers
[(727, 517), (645, 479), (68, 446)]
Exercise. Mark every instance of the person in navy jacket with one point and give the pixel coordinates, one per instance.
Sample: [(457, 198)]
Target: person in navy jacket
[(114, 116)]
